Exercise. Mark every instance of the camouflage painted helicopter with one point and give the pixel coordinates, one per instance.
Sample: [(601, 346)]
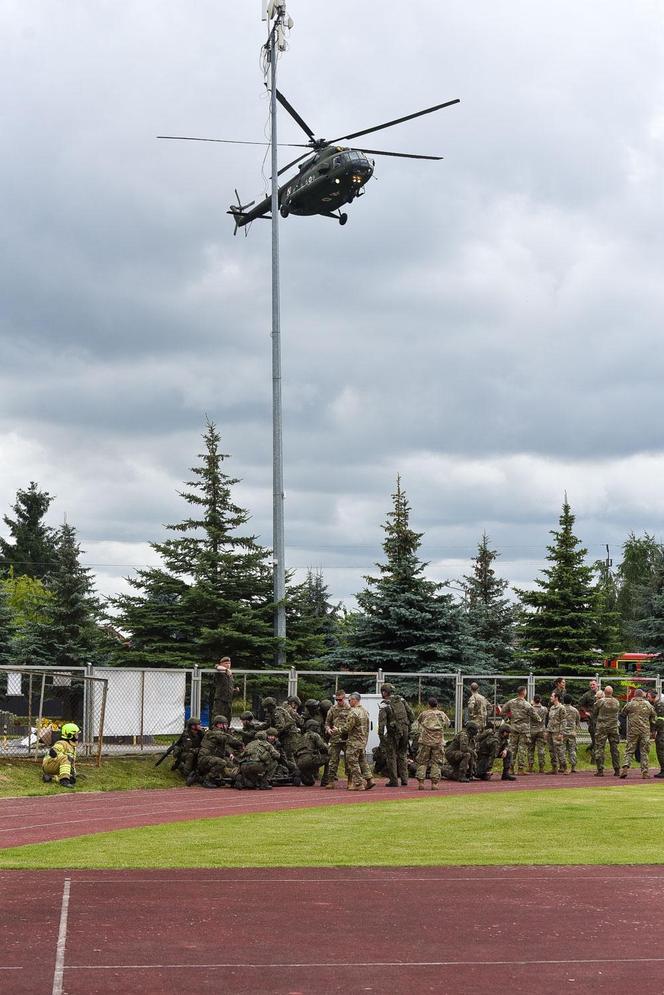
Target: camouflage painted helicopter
[(333, 176)]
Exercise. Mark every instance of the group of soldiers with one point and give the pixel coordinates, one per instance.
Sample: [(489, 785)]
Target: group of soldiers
[(303, 743)]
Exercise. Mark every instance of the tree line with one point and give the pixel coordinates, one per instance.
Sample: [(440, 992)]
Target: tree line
[(211, 595)]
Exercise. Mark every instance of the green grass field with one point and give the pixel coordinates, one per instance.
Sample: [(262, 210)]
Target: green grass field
[(23, 777), (612, 825)]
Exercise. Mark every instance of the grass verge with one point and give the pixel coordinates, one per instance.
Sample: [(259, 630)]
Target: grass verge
[(618, 825), (23, 777)]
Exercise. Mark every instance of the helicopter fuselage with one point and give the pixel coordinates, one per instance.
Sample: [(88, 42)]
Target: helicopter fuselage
[(332, 177)]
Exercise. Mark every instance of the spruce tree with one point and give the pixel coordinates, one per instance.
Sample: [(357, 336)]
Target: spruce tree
[(28, 599), (30, 550), (608, 636), (405, 622), (311, 618), (490, 615), (7, 627), (559, 624), (213, 594), (636, 579)]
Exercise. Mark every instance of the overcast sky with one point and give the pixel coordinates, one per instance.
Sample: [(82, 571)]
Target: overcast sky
[(489, 326)]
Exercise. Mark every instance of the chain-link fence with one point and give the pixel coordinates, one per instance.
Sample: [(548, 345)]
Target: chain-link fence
[(36, 702), (131, 711)]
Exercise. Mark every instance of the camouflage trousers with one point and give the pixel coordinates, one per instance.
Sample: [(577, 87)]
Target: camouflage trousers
[(395, 746), (569, 748), (459, 763), (642, 741), (309, 765), (429, 757), (215, 768), (187, 763), (357, 768), (556, 752), (659, 746), (336, 748), (289, 741), (252, 774), (601, 736), (537, 744), (519, 740)]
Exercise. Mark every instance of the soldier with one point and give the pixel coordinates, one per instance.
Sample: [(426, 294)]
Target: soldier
[(460, 754), (186, 754), (335, 729), (432, 723), (310, 753), (294, 704), (640, 717), (249, 727), (59, 764), (490, 744), (395, 717), (657, 702), (478, 707), (571, 728), (282, 718), (605, 720), (216, 762), (537, 740), (555, 734), (258, 763), (586, 707), (520, 711), (357, 727), (224, 688)]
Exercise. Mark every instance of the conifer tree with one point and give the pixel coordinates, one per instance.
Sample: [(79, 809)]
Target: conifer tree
[(31, 547), (7, 627), (608, 636), (636, 580), (311, 618), (559, 624), (405, 622), (490, 615)]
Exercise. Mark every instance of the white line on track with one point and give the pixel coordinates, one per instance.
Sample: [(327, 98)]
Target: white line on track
[(370, 879), (11, 968), (355, 964), (58, 974)]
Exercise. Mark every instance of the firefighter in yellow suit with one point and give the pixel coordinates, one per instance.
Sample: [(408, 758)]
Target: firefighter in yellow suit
[(59, 764)]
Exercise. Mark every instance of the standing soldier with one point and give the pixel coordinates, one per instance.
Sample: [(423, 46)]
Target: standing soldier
[(478, 707), (224, 688), (357, 727), (312, 713), (537, 741), (395, 717), (555, 734), (605, 720), (587, 705), (571, 728), (657, 703), (520, 710), (282, 718), (335, 729), (432, 722), (640, 717)]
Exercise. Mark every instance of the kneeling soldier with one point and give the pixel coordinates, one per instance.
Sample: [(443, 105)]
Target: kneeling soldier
[(59, 764), (310, 753), (258, 762)]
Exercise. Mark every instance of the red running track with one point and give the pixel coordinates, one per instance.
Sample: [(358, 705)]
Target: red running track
[(458, 931), (39, 819)]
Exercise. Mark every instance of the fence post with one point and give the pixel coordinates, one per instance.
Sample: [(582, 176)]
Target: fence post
[(88, 711), (380, 680), (658, 684), (30, 715), (142, 707), (531, 686), (458, 701), (41, 713), (292, 682), (195, 692)]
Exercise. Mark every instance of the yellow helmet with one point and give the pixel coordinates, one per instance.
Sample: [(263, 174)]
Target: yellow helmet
[(70, 731)]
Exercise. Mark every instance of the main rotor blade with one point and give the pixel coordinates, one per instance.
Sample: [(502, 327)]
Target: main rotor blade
[(401, 155), (399, 120), (284, 168), (230, 141), (293, 113)]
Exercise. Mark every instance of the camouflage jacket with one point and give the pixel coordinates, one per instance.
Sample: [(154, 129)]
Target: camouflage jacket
[(640, 715), (556, 720), (605, 713), (486, 743), (462, 743), (587, 701), (335, 722), (520, 710), (283, 720), (431, 724), (358, 726), (538, 718), (571, 721), (478, 708), (218, 743), (190, 742), (311, 744), (259, 751), (395, 716)]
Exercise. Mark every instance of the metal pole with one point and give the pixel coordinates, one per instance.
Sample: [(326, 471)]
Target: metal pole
[(102, 716), (278, 543), (41, 713), (30, 715)]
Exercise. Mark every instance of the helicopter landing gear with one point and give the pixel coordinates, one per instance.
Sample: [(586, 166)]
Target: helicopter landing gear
[(343, 218), (284, 212)]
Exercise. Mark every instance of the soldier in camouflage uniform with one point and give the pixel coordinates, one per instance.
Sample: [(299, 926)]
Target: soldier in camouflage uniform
[(460, 754), (312, 713), (357, 728), (249, 727), (586, 704), (519, 710), (657, 702), (216, 762), (571, 728), (310, 753), (492, 743), (537, 741), (186, 752), (431, 723), (555, 735), (605, 721), (395, 717), (641, 716), (335, 729), (258, 763), (282, 718), (478, 707)]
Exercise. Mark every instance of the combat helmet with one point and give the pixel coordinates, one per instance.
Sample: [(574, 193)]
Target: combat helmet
[(193, 721), (269, 703), (272, 732), (247, 716), (293, 699), (220, 720), (311, 725), (261, 735), (311, 703), (390, 688), (472, 728)]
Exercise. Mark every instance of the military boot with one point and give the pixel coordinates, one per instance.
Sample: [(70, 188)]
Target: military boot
[(624, 772), (661, 774), (356, 787), (370, 783), (420, 784), (330, 786), (434, 785), (47, 778), (645, 773), (392, 784), (508, 777)]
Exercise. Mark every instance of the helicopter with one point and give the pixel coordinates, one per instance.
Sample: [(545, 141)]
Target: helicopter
[(333, 176)]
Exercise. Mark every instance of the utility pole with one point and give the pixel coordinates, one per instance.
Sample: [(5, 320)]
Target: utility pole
[(274, 12)]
